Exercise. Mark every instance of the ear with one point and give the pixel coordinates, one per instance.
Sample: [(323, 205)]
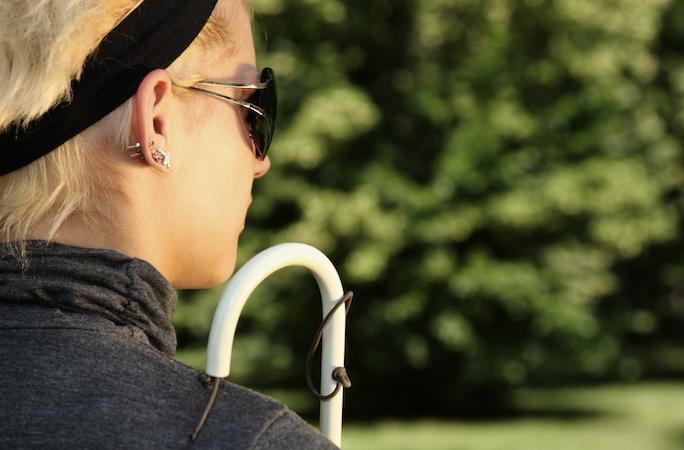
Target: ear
[(152, 118)]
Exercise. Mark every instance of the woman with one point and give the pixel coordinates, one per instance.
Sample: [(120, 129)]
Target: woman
[(125, 174)]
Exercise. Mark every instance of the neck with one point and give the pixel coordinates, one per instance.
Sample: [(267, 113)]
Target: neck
[(123, 227)]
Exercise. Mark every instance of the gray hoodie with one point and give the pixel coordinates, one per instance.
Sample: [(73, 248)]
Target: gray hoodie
[(86, 346)]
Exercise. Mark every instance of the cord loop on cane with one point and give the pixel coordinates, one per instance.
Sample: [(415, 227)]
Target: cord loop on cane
[(339, 374)]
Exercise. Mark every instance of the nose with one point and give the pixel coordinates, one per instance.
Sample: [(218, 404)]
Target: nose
[(261, 167)]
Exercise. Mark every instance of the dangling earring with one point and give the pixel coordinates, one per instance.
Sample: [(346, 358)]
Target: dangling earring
[(139, 153), (160, 155)]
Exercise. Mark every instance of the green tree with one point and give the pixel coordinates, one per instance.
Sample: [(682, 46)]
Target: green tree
[(499, 181)]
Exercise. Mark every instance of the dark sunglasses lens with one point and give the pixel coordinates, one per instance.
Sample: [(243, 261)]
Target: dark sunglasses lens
[(263, 127)]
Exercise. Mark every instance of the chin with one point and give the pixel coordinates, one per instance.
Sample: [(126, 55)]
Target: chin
[(204, 276)]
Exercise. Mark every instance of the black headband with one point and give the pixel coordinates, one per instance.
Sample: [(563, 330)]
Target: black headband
[(151, 37)]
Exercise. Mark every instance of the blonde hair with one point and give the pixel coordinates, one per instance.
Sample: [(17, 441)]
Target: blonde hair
[(43, 46)]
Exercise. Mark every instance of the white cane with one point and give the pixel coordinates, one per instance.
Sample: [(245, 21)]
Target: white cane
[(240, 287)]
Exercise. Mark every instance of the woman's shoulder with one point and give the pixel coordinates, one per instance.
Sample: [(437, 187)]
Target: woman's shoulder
[(91, 384)]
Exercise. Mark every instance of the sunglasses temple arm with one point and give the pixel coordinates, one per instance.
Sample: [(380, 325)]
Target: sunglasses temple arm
[(251, 106), (260, 86)]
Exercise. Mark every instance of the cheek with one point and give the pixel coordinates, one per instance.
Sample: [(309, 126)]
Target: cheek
[(218, 162), (213, 171), (226, 182)]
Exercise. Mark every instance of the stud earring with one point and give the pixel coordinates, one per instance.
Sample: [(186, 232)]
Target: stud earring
[(139, 153), (160, 155)]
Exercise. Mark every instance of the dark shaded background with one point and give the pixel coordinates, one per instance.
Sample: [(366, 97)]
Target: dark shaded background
[(498, 181)]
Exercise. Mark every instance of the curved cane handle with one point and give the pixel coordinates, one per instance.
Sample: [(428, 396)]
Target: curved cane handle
[(243, 283)]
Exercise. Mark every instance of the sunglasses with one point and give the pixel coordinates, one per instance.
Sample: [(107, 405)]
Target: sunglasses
[(261, 106)]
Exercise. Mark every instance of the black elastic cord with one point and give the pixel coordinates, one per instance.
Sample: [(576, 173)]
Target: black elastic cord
[(214, 391), (340, 373)]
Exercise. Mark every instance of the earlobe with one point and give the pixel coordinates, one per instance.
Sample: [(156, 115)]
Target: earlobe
[(151, 120), (161, 156)]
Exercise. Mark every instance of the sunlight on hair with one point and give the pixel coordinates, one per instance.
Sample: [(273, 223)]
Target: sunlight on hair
[(46, 45)]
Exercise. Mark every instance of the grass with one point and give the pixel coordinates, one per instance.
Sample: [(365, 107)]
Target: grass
[(641, 416), (648, 416)]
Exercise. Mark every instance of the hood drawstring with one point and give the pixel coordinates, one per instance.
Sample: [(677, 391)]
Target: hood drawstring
[(208, 381)]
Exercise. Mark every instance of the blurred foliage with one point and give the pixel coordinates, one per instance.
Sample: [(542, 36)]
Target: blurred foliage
[(499, 181)]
